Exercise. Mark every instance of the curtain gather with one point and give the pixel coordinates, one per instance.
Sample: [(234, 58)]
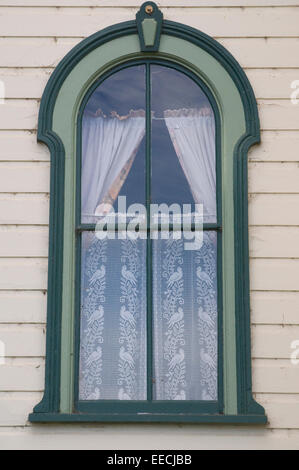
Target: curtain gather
[(192, 132), (109, 146)]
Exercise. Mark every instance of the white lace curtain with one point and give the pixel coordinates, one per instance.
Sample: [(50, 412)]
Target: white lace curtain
[(113, 313)]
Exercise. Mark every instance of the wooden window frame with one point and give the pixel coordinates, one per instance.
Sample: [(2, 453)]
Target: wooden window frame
[(238, 128)]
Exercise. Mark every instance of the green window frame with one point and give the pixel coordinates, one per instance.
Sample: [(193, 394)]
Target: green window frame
[(237, 128)]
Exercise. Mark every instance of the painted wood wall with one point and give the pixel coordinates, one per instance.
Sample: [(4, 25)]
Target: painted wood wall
[(263, 35)]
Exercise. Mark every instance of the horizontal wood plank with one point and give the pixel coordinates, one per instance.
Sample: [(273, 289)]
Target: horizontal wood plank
[(82, 22), (273, 177), (23, 306), (93, 437), (273, 209), (22, 146), (22, 274), (272, 52), (273, 242), (274, 274), (274, 341), (276, 146), (24, 177), (22, 375), (274, 376), (25, 209), (274, 307), (23, 241), (23, 340)]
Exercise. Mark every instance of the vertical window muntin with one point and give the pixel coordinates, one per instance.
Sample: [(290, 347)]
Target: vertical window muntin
[(150, 405)]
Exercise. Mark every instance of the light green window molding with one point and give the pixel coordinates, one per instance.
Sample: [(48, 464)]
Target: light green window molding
[(239, 129)]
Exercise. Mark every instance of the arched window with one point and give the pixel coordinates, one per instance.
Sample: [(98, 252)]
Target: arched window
[(148, 309)]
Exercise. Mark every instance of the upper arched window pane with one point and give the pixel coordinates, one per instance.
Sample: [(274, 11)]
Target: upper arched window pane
[(182, 142)]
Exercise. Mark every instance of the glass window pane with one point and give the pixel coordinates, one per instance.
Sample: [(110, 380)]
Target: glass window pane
[(113, 148), (183, 142), (113, 319), (185, 319)]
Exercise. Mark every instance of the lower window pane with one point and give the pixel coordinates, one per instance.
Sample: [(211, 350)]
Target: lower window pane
[(113, 319), (185, 319)]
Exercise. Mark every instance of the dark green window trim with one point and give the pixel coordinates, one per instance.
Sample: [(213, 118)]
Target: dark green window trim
[(50, 409)]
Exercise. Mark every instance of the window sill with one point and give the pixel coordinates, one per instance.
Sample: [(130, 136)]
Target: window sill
[(146, 418)]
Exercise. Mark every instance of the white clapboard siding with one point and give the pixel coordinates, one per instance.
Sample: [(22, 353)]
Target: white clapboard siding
[(273, 209), (19, 114), (23, 306), (257, 22), (22, 375), (263, 53), (23, 340), (272, 242), (23, 273), (273, 341), (274, 274), (27, 241), (34, 52), (50, 22), (162, 3), (30, 83), (273, 177), (16, 406), (282, 410), (274, 376), (272, 83), (274, 307), (278, 114), (47, 52), (276, 146), (92, 437), (24, 177), (22, 146), (24, 209), (24, 83)]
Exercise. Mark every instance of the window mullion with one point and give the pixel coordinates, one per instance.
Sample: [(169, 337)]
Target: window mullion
[(148, 240)]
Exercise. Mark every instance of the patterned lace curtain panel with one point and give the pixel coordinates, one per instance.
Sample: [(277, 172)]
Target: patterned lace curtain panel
[(113, 354)]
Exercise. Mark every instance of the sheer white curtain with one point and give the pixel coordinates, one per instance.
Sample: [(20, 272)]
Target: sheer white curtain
[(109, 145), (192, 132)]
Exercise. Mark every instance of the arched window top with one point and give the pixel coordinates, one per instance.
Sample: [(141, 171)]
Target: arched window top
[(225, 99)]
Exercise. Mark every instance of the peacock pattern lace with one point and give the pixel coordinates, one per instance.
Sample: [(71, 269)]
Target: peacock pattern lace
[(173, 313), (206, 286), (92, 317), (132, 339)]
